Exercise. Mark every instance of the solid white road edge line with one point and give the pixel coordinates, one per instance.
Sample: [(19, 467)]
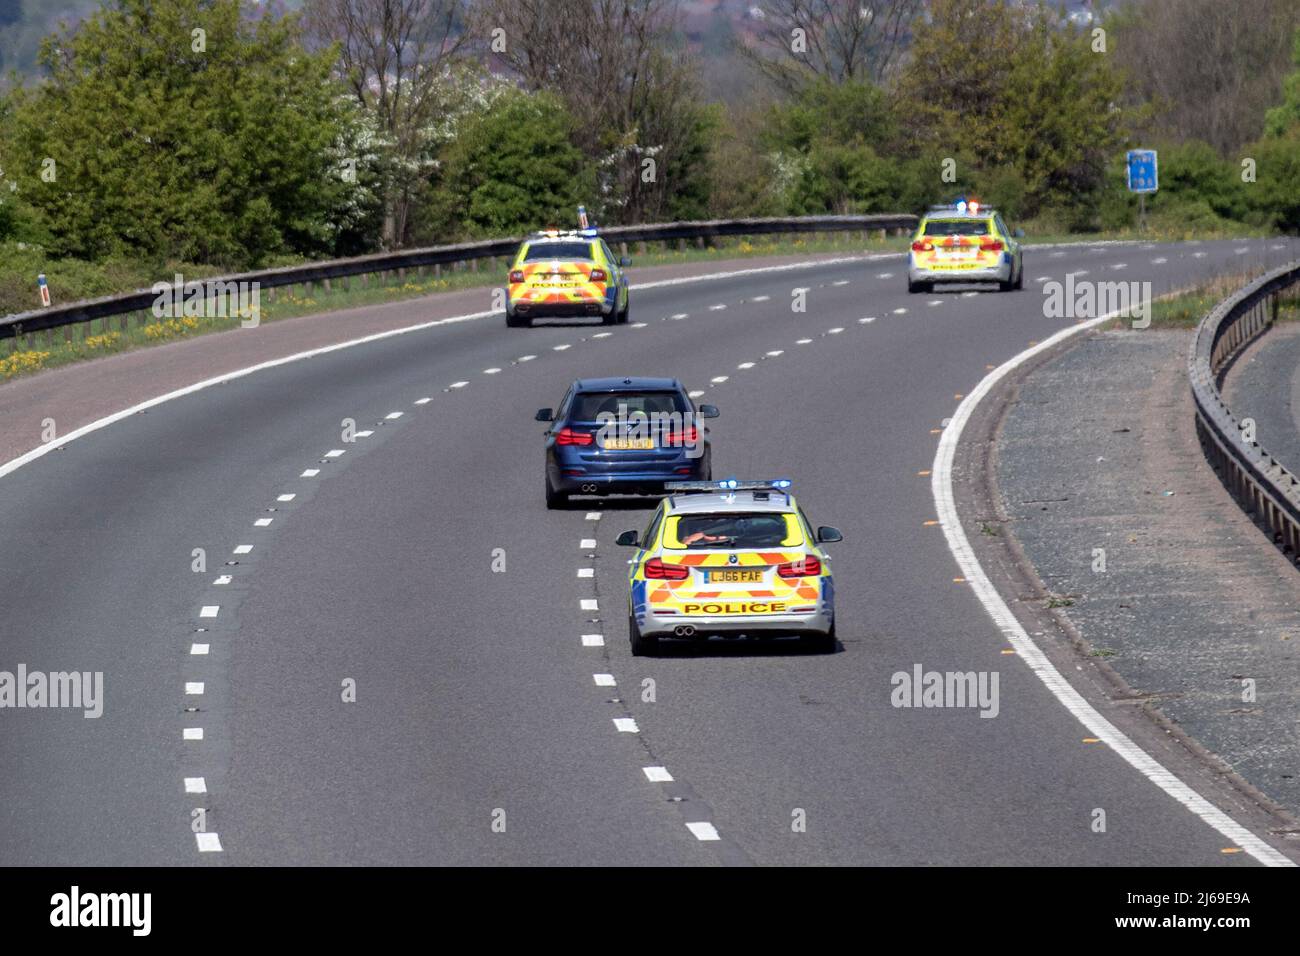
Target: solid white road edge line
[(1097, 725)]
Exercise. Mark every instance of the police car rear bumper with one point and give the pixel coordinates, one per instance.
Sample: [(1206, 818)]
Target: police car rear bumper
[(763, 625), (562, 310), (999, 273)]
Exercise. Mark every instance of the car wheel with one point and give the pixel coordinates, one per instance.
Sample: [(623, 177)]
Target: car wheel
[(555, 499), (610, 318), (1020, 279), (922, 287), (517, 321), (822, 643), (643, 645)]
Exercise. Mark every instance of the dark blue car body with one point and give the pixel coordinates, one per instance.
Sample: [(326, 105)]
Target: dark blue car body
[(599, 412)]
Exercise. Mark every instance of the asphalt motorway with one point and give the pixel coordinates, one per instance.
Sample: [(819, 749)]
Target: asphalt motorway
[(420, 572)]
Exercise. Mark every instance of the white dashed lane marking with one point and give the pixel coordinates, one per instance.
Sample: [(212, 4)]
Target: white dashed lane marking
[(867, 320), (310, 473), (365, 434), (717, 308), (835, 331), (593, 515), (262, 522), (657, 774), (589, 604), (559, 348), (491, 371), (210, 610), (775, 352), (718, 379), (586, 544), (194, 688), (423, 401), (703, 830), (803, 341), (242, 549), (198, 650), (586, 572), (745, 365), (1159, 262), (335, 453), (208, 842), (626, 725), (286, 497), (593, 640), (223, 579), (900, 310), (760, 298), (192, 733), (604, 680), (695, 394), (458, 384), (196, 785)]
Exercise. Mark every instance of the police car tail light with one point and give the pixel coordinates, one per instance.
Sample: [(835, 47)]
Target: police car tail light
[(567, 436), (991, 245), (923, 246), (598, 275), (687, 436), (803, 568), (517, 275), (656, 570)]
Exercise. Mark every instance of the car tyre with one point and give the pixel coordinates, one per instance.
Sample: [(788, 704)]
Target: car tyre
[(643, 645), (1020, 278), (555, 499), (822, 643), (922, 287), (517, 321)]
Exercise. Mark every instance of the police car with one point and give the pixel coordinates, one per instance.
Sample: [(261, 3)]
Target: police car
[(964, 242), (558, 274), (730, 559)]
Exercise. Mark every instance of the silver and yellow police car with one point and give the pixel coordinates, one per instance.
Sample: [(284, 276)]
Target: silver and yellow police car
[(964, 242), (730, 559)]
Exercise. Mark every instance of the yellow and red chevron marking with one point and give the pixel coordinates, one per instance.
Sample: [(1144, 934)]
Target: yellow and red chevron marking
[(779, 590), (558, 281)]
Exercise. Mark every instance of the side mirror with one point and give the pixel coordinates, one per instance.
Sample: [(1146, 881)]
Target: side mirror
[(828, 535), (624, 261), (1019, 233), (708, 411), (544, 415), (628, 539)]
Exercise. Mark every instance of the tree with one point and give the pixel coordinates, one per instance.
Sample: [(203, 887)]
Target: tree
[(511, 170), (178, 129), (836, 40), (1211, 68), (397, 57), (619, 66)]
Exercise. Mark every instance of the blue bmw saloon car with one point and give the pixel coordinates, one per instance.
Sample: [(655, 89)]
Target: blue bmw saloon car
[(624, 436)]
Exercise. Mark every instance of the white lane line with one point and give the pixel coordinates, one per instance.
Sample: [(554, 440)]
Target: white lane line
[(559, 348), (223, 579), (604, 680), (310, 473), (1077, 272), (196, 785), (586, 572), (717, 308), (458, 384), (335, 453), (657, 774), (593, 640), (593, 515), (775, 352), (393, 416), (198, 650), (262, 522), (745, 365), (835, 331), (679, 316), (602, 335), (525, 358), (718, 379), (969, 295), (703, 830), (586, 544), (762, 270), (803, 341), (286, 497), (867, 320), (589, 604), (491, 371), (242, 549), (365, 434), (1159, 262), (194, 688), (899, 311), (626, 725), (934, 302), (208, 842), (1119, 265), (637, 325), (695, 394), (192, 733), (760, 298), (210, 610), (1198, 255), (1043, 279), (423, 401), (840, 282), (941, 486), (884, 275)]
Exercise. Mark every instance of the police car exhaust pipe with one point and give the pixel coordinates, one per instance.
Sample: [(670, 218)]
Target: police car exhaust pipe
[(684, 630), (589, 488)]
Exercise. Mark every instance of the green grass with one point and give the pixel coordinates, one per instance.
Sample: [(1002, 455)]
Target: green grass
[(1185, 310)]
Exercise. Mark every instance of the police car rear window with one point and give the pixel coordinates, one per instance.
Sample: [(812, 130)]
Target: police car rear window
[(589, 406), (732, 530), (957, 227), (558, 250)]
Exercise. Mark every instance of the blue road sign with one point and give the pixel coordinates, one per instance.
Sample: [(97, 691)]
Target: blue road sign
[(1143, 171)]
